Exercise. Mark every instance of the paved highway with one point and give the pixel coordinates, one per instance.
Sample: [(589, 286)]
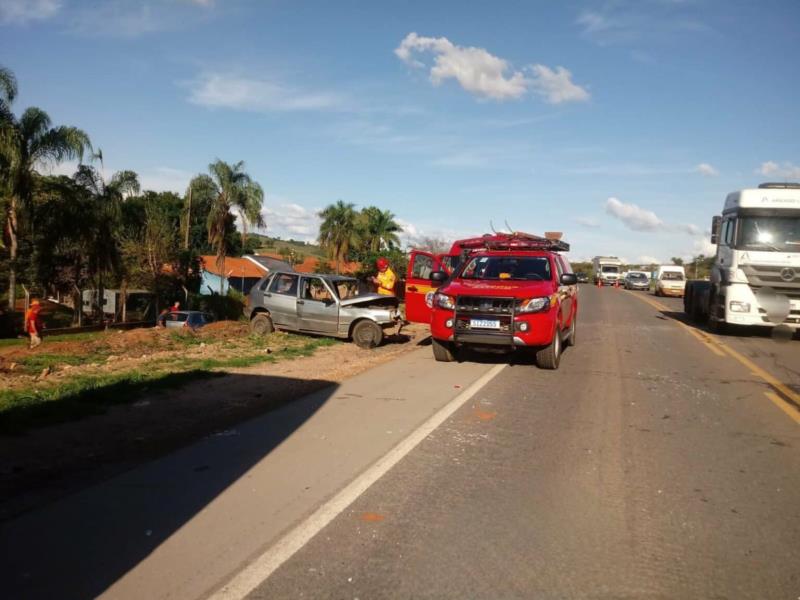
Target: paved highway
[(657, 462)]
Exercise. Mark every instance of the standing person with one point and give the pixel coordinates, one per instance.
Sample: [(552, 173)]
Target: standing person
[(175, 307), (386, 278), (33, 323)]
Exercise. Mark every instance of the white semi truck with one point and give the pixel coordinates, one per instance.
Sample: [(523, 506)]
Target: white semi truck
[(607, 270), (755, 279)]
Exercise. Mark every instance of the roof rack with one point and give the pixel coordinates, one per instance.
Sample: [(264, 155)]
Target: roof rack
[(779, 186), (514, 241)]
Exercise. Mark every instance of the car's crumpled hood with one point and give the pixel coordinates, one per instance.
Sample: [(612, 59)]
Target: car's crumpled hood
[(371, 300)]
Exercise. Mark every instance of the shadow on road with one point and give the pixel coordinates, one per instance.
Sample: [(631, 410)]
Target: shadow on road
[(82, 544)]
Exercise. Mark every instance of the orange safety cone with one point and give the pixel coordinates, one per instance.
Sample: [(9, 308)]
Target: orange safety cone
[(616, 284), (599, 283)]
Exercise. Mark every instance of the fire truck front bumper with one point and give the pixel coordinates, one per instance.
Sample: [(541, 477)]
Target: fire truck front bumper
[(533, 330)]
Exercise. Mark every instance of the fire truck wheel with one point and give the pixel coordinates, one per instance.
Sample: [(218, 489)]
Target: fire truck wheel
[(549, 356), (367, 334), (262, 324), (442, 351), (570, 339)]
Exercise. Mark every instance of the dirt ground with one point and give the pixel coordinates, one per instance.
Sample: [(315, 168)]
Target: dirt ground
[(46, 463)]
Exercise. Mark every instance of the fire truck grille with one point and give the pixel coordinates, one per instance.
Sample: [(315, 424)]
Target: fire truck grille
[(464, 325), (484, 305)]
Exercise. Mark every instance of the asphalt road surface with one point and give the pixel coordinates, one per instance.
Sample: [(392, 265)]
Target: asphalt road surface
[(657, 462)]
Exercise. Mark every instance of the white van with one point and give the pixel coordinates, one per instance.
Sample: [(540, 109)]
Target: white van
[(670, 280)]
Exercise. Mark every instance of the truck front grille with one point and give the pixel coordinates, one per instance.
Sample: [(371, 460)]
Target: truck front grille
[(485, 305)]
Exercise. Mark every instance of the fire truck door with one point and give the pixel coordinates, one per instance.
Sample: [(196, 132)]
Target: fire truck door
[(418, 284)]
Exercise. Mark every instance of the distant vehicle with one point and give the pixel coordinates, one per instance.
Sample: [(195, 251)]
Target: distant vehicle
[(192, 319), (637, 280), (606, 269), (511, 291), (755, 279), (670, 280), (321, 304), (582, 277)]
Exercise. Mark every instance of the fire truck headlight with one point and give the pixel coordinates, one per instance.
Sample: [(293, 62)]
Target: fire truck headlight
[(444, 301), (532, 305)]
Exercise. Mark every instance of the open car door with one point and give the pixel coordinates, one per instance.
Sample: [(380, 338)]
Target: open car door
[(418, 283)]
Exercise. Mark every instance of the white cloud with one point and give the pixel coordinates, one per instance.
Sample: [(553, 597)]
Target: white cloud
[(22, 11), (706, 169), (587, 222), (633, 216), (485, 75), (475, 69), (785, 170), (215, 90), (556, 87), (290, 220)]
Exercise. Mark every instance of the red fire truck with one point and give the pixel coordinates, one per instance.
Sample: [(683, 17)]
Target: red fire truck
[(506, 290)]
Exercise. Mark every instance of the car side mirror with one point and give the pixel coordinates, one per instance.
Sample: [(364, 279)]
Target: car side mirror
[(715, 228), (438, 277), (569, 279)]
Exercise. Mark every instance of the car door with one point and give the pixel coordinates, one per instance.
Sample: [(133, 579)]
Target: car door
[(317, 306), (281, 299), (566, 292), (418, 284)]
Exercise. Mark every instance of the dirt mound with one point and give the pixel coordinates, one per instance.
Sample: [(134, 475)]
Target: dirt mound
[(224, 329)]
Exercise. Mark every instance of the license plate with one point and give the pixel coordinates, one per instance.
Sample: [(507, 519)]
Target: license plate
[(484, 324)]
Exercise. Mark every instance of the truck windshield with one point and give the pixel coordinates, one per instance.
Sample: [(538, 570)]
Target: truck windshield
[(609, 268), (779, 234), (526, 268)]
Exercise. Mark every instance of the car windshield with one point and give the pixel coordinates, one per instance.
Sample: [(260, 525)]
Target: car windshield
[(779, 234), (609, 269), (346, 289), (526, 268), (672, 275), (638, 276)]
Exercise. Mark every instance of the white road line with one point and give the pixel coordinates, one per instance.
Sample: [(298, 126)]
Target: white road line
[(263, 566)]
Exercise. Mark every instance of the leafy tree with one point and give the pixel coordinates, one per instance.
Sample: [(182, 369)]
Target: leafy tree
[(25, 143), (337, 233), (433, 244), (377, 229), (677, 261)]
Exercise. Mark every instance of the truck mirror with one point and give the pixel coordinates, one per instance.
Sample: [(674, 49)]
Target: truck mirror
[(715, 221), (569, 279), (438, 276)]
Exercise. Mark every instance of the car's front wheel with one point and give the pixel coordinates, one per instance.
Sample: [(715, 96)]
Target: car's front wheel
[(262, 324), (549, 357), (442, 351), (367, 334)]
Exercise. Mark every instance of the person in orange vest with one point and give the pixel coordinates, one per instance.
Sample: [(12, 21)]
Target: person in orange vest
[(386, 279), (33, 323)]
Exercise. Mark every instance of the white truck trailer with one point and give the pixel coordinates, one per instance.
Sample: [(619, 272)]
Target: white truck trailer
[(755, 279), (606, 270)]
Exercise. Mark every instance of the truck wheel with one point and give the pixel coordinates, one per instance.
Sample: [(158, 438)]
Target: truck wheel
[(442, 351), (262, 324), (715, 326), (550, 356), (570, 339), (367, 334)]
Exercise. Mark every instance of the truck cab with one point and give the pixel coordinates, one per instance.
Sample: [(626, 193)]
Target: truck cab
[(507, 291), (755, 279)]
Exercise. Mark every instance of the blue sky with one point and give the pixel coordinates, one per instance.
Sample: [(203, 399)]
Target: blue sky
[(622, 123)]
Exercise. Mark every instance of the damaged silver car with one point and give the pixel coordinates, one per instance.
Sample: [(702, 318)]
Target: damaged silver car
[(321, 304)]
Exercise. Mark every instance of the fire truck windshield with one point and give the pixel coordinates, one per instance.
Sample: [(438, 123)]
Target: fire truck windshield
[(525, 268)]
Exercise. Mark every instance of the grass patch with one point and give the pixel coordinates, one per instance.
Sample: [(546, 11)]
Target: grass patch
[(64, 337), (93, 393)]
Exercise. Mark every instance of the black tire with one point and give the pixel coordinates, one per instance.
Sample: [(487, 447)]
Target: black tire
[(550, 356), (714, 326), (569, 341), (442, 351), (262, 324), (367, 335)]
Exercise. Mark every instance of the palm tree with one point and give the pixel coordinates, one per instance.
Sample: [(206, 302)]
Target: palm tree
[(106, 198), (378, 229), (249, 210), (230, 187), (27, 143), (337, 232), (8, 91)]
